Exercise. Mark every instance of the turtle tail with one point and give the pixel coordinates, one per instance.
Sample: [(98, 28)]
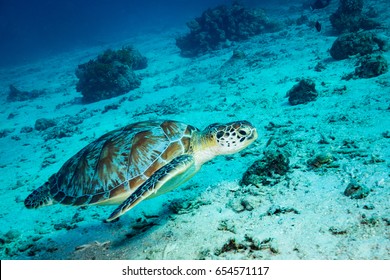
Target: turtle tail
[(39, 198)]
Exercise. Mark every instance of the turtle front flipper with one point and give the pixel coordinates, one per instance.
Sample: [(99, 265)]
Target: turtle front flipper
[(40, 197), (169, 177)]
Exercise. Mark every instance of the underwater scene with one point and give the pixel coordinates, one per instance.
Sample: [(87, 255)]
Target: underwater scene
[(195, 130)]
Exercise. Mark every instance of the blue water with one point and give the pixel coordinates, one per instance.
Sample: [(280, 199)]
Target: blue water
[(30, 30)]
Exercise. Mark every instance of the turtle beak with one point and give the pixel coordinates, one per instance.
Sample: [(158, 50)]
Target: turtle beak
[(253, 134)]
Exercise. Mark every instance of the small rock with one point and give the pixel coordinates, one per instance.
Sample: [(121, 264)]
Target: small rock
[(372, 221), (277, 210), (184, 206), (64, 225), (337, 231), (369, 206), (15, 137), (110, 107), (320, 159), (386, 134), (236, 205), (356, 191), (229, 246), (250, 202), (226, 225), (26, 129), (269, 170), (43, 124), (386, 220), (35, 238), (265, 244), (319, 67), (11, 116), (25, 246), (142, 224), (51, 249), (77, 218), (340, 90), (371, 66), (238, 54), (60, 131), (50, 159), (11, 235), (75, 120), (5, 132), (302, 93)]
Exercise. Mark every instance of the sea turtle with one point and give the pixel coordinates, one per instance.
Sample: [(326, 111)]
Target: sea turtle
[(139, 161)]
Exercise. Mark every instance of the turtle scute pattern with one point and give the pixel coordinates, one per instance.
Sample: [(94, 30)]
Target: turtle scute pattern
[(119, 162)]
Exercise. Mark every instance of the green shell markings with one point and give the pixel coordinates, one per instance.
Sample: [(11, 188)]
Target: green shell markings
[(139, 161)]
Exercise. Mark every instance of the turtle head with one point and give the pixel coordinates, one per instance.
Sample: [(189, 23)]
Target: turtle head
[(230, 138)]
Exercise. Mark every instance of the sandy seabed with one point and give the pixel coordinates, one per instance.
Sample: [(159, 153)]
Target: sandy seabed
[(305, 215)]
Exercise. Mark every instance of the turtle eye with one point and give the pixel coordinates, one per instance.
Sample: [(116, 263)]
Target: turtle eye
[(242, 132)]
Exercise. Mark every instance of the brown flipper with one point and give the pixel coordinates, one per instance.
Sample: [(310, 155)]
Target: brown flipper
[(39, 198), (153, 184)]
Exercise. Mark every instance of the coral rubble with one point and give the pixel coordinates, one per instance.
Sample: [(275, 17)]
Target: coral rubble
[(356, 191), (220, 25), (110, 75), (362, 43), (269, 170), (302, 93), (371, 66), (349, 17), (43, 124)]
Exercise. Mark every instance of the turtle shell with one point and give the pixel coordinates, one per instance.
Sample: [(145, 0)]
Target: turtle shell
[(112, 167)]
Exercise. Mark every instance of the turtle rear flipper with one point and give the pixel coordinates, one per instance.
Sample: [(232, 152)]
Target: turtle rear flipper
[(39, 198), (177, 170)]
